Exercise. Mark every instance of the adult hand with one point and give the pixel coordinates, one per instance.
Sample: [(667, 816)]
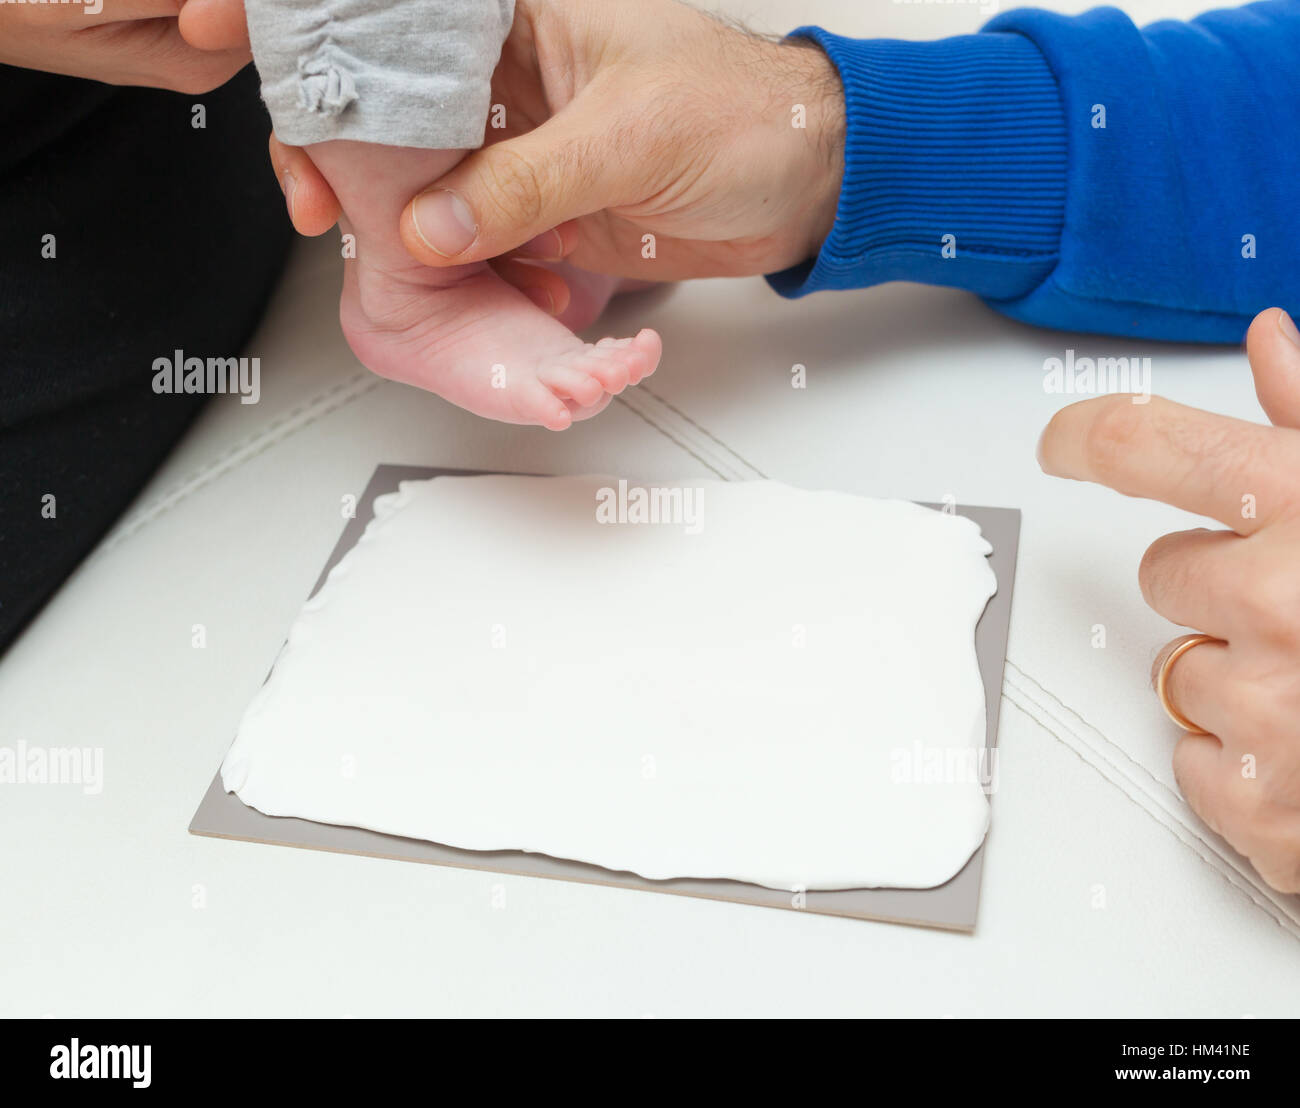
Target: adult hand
[(644, 118), (120, 42), (622, 118), (1241, 585)]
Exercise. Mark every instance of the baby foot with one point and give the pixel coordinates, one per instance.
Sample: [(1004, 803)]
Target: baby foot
[(475, 340), (461, 332)]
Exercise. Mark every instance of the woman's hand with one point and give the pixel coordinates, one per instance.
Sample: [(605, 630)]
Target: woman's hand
[(120, 42), (1241, 585)]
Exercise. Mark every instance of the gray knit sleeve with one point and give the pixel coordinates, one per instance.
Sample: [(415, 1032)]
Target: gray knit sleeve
[(393, 72)]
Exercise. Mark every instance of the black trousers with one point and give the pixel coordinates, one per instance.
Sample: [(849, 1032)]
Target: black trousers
[(126, 233)]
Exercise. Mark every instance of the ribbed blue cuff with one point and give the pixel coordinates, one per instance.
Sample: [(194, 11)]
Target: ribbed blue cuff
[(954, 167)]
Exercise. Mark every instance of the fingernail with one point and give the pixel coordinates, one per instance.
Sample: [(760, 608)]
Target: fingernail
[(542, 298), (288, 185), (445, 223), (1286, 325), (547, 247)]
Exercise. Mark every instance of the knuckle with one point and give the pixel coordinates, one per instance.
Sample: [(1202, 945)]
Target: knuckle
[(1232, 453), (1209, 438), (1161, 572), (1116, 431), (514, 187)]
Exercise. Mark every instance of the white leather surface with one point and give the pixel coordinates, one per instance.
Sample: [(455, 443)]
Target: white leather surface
[(912, 392)]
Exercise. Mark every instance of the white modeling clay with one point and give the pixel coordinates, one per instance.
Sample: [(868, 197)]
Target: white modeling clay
[(722, 680)]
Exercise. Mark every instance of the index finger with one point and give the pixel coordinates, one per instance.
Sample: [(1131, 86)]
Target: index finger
[(1227, 469)]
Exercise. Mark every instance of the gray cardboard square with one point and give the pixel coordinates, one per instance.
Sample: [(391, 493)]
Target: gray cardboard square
[(952, 906)]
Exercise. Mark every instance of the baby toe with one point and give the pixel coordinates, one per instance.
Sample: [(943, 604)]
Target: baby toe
[(591, 409), (643, 355), (608, 363), (571, 383), (534, 403)]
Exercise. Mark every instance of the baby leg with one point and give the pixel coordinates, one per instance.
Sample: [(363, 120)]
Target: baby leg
[(461, 332)]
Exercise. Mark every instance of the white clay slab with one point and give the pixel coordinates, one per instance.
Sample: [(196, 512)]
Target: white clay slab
[(754, 692)]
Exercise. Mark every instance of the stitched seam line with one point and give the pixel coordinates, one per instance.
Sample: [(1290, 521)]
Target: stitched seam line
[(1176, 822), (672, 438), (1173, 795), (704, 431), (1176, 808), (291, 422), (1246, 891)]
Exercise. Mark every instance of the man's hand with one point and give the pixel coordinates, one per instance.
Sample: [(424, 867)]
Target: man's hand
[(622, 119), (120, 42), (644, 139), (1241, 585)]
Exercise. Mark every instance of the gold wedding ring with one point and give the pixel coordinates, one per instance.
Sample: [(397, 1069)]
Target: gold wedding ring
[(1162, 681)]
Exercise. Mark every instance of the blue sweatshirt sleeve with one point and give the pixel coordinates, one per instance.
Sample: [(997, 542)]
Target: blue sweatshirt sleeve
[(1077, 172)]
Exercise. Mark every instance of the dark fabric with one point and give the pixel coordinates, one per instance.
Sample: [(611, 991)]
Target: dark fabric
[(167, 237)]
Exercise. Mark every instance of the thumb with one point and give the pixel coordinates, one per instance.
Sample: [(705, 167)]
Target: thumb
[(501, 196), (1273, 346)]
